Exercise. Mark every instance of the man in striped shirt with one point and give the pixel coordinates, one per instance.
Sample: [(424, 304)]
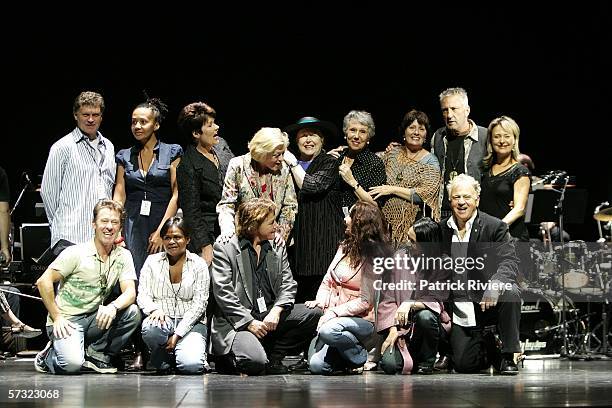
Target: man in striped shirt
[(80, 171)]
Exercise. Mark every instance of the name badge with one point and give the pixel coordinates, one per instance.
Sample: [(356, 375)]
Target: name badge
[(101, 191), (145, 207), (261, 304)]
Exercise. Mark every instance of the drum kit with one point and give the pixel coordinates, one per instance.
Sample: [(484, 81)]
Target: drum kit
[(566, 280)]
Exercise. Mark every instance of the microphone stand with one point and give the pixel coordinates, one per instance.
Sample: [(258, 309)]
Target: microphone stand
[(23, 190), (559, 211)]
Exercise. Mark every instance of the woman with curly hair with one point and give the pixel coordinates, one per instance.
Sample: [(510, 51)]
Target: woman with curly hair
[(346, 294), (261, 173)]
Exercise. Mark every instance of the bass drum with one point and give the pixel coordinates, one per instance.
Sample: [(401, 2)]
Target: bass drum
[(540, 327)]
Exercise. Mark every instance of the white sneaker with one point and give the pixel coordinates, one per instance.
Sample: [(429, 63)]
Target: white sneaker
[(40, 364)]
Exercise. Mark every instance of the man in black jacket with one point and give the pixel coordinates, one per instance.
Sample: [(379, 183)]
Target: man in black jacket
[(486, 299)]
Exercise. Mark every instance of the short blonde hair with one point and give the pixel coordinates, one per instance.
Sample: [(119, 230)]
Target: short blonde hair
[(251, 214), (266, 141)]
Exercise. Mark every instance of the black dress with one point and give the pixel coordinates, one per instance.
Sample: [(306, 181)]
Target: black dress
[(319, 225), (497, 193)]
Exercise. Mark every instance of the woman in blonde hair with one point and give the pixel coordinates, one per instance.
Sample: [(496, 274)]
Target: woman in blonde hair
[(260, 173), (505, 183)]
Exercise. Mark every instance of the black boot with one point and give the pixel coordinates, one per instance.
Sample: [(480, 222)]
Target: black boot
[(276, 367), (507, 366)]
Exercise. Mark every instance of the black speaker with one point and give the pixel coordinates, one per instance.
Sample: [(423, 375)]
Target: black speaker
[(35, 239)]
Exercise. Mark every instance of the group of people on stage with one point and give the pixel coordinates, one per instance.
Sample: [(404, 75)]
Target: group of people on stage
[(276, 253)]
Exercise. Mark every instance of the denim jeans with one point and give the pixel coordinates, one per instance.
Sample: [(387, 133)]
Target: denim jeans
[(67, 355), (189, 353), (339, 345)]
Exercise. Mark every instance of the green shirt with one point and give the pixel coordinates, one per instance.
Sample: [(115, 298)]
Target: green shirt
[(86, 279)]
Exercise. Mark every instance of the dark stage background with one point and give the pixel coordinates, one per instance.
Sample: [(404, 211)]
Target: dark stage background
[(258, 67)]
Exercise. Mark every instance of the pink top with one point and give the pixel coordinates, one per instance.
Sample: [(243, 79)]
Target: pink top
[(340, 290)]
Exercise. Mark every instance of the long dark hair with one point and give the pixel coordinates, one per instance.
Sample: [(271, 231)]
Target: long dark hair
[(368, 236), (428, 236)]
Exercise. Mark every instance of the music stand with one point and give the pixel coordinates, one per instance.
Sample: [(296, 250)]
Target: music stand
[(541, 204)]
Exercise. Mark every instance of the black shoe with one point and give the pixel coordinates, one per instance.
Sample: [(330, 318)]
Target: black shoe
[(442, 364), (276, 367), (301, 365), (98, 366), (424, 369), (25, 331), (165, 371), (507, 366)]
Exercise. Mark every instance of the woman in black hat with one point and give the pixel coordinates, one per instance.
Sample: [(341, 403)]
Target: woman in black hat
[(319, 222)]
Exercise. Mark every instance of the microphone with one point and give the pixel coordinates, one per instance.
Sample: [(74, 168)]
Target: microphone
[(27, 179)]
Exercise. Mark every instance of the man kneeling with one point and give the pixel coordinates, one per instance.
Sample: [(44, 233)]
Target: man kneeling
[(83, 331), (255, 322)]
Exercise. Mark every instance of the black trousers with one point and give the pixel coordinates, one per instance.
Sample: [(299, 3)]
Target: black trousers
[(249, 355), (474, 348), (424, 342)]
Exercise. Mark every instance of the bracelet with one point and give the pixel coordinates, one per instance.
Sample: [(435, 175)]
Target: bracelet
[(357, 186)]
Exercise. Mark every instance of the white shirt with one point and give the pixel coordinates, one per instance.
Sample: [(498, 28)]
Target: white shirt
[(76, 176), (186, 300), (463, 312)]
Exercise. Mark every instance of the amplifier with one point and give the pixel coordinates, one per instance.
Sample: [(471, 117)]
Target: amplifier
[(35, 239)]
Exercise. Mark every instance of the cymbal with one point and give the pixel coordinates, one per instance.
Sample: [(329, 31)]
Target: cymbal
[(604, 215)]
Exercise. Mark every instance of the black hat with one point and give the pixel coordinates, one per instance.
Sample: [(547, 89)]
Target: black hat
[(328, 129)]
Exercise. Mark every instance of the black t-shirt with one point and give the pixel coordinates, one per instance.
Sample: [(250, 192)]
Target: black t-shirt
[(262, 287), (497, 193), (5, 194), (454, 161)]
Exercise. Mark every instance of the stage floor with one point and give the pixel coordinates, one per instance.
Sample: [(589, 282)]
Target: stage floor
[(541, 383)]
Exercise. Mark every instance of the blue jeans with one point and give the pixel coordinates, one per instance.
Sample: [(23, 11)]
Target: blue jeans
[(67, 355), (339, 345), (189, 353)]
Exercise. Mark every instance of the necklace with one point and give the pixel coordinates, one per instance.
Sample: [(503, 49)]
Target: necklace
[(454, 172), (175, 292), (104, 275), (141, 163), (210, 155), (501, 167)]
